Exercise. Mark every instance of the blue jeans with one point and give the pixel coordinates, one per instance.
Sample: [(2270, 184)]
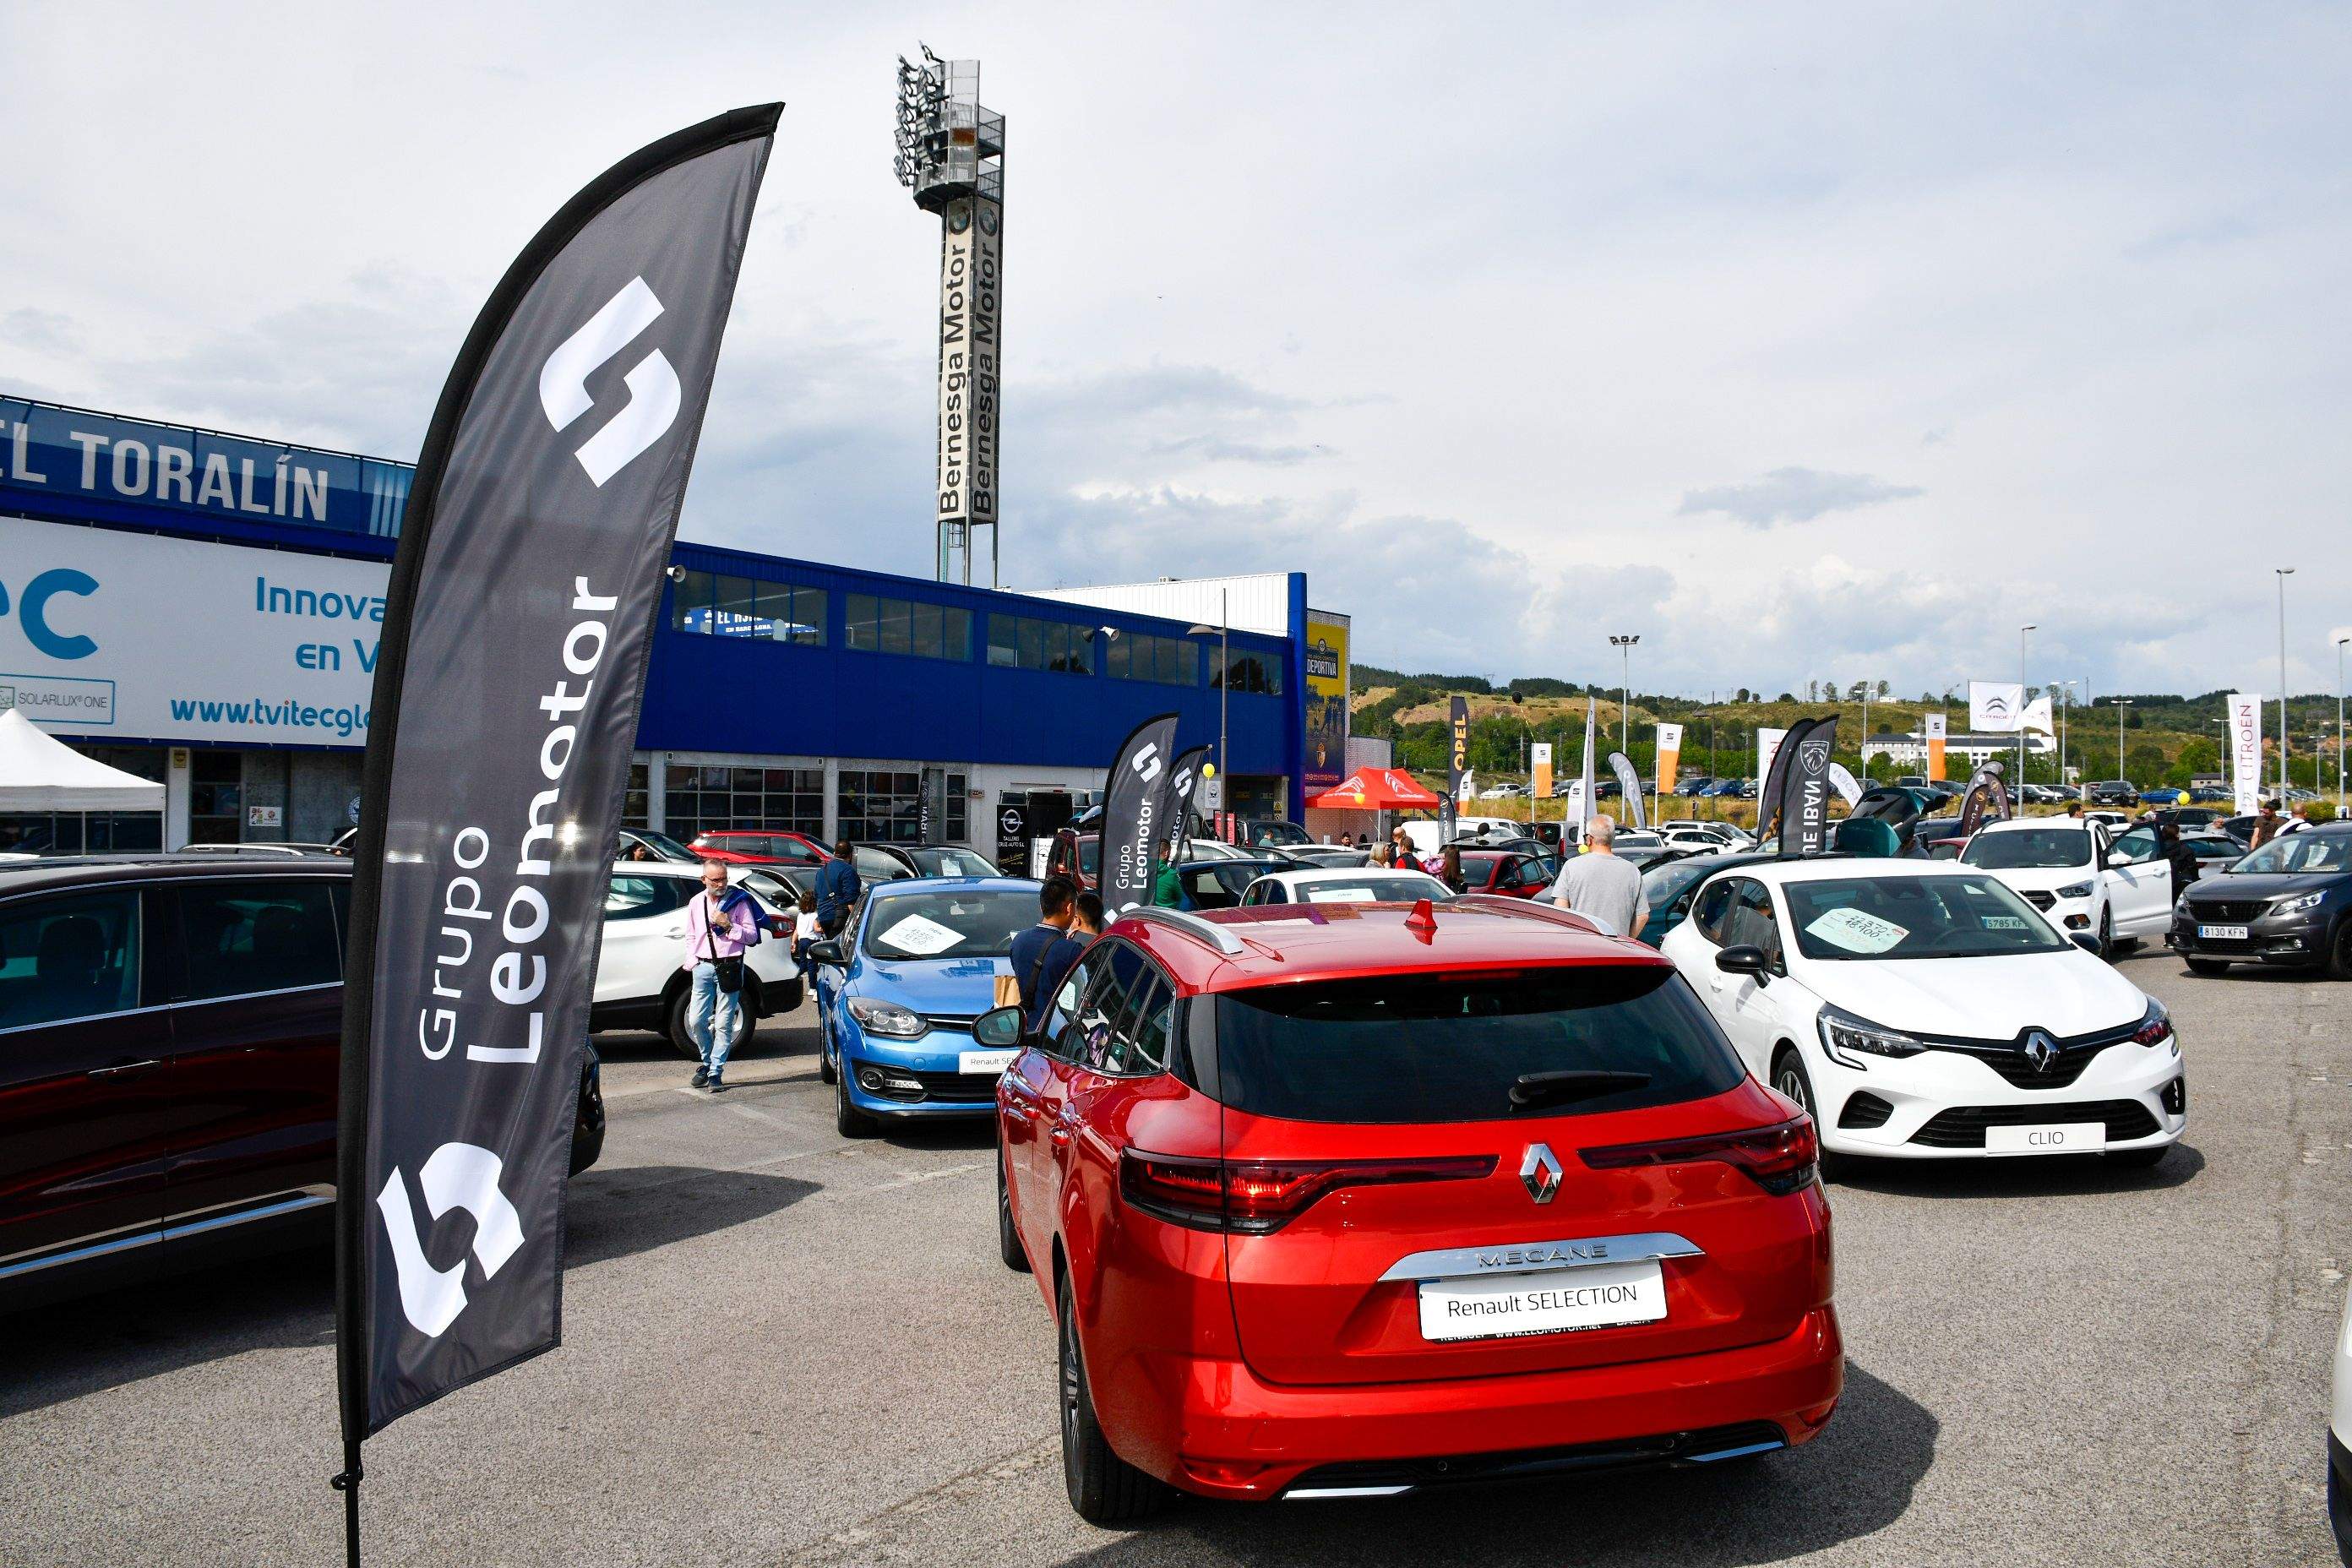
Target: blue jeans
[(713, 1018)]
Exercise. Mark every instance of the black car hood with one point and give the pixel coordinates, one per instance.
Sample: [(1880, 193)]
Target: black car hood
[(2215, 888)]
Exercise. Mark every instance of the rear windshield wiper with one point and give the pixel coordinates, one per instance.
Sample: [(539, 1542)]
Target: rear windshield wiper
[(1534, 1089)]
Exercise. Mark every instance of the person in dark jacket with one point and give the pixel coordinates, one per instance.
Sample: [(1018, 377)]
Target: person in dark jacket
[(2182, 858), (1041, 956), (837, 888), (1449, 869)]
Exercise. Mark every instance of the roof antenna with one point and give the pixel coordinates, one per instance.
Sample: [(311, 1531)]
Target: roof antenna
[(1422, 921)]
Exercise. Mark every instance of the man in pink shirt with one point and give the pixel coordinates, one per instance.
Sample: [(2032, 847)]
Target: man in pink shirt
[(721, 923)]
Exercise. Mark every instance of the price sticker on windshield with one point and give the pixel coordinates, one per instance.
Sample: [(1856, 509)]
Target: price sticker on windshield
[(921, 936), (1856, 931)]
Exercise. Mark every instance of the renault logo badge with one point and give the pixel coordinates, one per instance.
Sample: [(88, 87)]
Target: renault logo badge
[(2039, 1051), (1539, 1172)]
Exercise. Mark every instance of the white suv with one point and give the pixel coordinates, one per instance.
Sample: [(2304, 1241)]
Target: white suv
[(2085, 885), (639, 984)]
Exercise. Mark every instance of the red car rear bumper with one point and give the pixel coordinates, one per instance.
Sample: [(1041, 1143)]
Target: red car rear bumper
[(1237, 1436)]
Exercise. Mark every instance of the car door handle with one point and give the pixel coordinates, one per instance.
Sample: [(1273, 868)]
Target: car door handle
[(120, 1068), (1063, 1133), (1017, 1104)]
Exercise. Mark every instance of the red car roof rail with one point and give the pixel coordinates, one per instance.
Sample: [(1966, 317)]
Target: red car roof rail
[(1504, 904), (1192, 925)]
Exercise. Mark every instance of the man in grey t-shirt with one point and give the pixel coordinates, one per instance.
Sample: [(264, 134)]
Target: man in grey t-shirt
[(1599, 887)]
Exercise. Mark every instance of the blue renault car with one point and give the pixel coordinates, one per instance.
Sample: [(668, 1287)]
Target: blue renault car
[(897, 993)]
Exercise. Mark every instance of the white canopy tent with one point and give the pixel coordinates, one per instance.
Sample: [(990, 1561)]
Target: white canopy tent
[(41, 773)]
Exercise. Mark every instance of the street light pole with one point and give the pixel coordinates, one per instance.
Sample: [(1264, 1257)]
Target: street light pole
[(2120, 704), (2284, 573), (2064, 688), (1224, 630), (1624, 646), (2339, 723)]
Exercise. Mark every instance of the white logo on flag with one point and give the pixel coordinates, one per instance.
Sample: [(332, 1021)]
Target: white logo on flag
[(1146, 762), (654, 392), (454, 1176)]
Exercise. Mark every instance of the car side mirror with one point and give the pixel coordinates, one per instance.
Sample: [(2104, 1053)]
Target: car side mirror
[(2118, 860), (999, 1028), (1744, 959), (825, 951), (2086, 941)]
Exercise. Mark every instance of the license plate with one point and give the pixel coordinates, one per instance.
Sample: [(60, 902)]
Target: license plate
[(2222, 933), (2056, 1138), (1602, 1296), (984, 1061)]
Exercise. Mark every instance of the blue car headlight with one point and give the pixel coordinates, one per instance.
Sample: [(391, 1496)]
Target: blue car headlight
[(888, 1019), (1845, 1035)]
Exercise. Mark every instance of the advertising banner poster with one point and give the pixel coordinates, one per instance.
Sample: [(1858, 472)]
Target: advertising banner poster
[(1326, 700), (517, 621), (1457, 762), (1934, 724), (1184, 788), (1768, 752), (1134, 811), (1539, 763), (1995, 705), (1805, 788), (1629, 789), (1670, 756), (2246, 751)]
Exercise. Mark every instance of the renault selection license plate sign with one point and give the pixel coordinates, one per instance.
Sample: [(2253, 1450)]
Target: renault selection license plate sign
[(1599, 1296), (2054, 1138), (2222, 933), (984, 1061)]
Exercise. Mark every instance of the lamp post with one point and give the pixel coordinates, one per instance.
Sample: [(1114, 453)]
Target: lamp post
[(1224, 633), (2339, 723), (2283, 573), (2119, 704), (1624, 646), (2064, 688)]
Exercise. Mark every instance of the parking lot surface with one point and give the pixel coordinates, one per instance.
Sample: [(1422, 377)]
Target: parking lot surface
[(785, 1348)]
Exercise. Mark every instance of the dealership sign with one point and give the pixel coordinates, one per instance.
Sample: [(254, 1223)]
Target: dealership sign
[(2246, 749), (137, 637)]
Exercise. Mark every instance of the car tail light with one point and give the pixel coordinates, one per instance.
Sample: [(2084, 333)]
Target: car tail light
[(1255, 1196), (1779, 1158)]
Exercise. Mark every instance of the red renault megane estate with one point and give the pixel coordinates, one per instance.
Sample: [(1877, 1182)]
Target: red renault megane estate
[(1344, 1200)]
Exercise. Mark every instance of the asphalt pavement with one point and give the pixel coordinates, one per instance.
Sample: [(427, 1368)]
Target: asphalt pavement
[(782, 1348)]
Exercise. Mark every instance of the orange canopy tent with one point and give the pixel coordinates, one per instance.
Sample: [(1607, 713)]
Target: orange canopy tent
[(1375, 789)]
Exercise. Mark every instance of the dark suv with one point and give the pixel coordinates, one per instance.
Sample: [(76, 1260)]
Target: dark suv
[(170, 1031), (2287, 905)]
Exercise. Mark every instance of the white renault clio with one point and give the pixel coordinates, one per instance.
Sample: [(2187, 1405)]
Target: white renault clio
[(2068, 871), (1924, 1010)]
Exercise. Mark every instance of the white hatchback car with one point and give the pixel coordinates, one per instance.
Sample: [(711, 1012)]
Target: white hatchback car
[(1923, 1010), (639, 982), (1344, 885), (2069, 872)]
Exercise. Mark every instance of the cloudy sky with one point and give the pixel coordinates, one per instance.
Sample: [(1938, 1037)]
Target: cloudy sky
[(1807, 341)]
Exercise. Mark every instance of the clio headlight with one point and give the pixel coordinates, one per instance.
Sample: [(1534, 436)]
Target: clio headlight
[(1845, 1036), (2075, 890), (879, 1017)]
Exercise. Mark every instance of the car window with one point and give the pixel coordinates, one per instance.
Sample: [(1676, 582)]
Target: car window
[(1264, 891), (1916, 918), (1218, 885), (245, 937), (1087, 1040), (2304, 851), (965, 924), (1751, 924), (2137, 845), (2028, 850), (629, 898), (70, 957), (875, 866), (1139, 1042), (1713, 908)]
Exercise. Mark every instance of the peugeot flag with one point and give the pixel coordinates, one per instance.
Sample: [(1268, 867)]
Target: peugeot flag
[(1183, 780), (515, 638), (1135, 805), (1805, 790)]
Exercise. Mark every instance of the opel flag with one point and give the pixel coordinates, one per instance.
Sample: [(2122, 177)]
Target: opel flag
[(515, 638), (1136, 802)]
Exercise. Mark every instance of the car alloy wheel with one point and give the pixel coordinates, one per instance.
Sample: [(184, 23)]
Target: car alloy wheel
[(2339, 952), (825, 1071), (1790, 1077), (848, 1120), (2107, 935), (1008, 1237), (1104, 1489)]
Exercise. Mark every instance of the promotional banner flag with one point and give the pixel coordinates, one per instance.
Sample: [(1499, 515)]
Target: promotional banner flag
[(1805, 787), (1183, 781), (1670, 756), (1628, 784), (518, 622), (1842, 780), (2038, 717), (1457, 762), (1995, 704), (1771, 767), (1540, 761), (1986, 798), (2246, 751), (1934, 724), (1134, 815), (1584, 810)]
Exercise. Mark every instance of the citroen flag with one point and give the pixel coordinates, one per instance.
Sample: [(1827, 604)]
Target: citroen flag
[(1182, 780), (1805, 787), (515, 636), (1934, 725), (2246, 751), (1135, 808), (1995, 705), (1842, 780), (1670, 756), (1457, 762), (1629, 784)]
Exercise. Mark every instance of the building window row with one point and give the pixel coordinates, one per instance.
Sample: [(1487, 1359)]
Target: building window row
[(1018, 642), (699, 799), (885, 807), (876, 625), (715, 604), (1254, 674), (1139, 656)]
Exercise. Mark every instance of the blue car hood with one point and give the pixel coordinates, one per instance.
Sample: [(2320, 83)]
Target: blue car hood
[(934, 984)]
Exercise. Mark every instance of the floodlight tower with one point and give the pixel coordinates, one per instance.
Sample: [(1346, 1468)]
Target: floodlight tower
[(951, 156)]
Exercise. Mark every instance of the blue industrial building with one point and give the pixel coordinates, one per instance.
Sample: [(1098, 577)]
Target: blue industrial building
[(782, 693)]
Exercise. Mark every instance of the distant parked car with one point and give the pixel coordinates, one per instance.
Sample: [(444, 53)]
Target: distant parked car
[(749, 847), (657, 846), (1694, 786), (892, 862), (2115, 791)]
